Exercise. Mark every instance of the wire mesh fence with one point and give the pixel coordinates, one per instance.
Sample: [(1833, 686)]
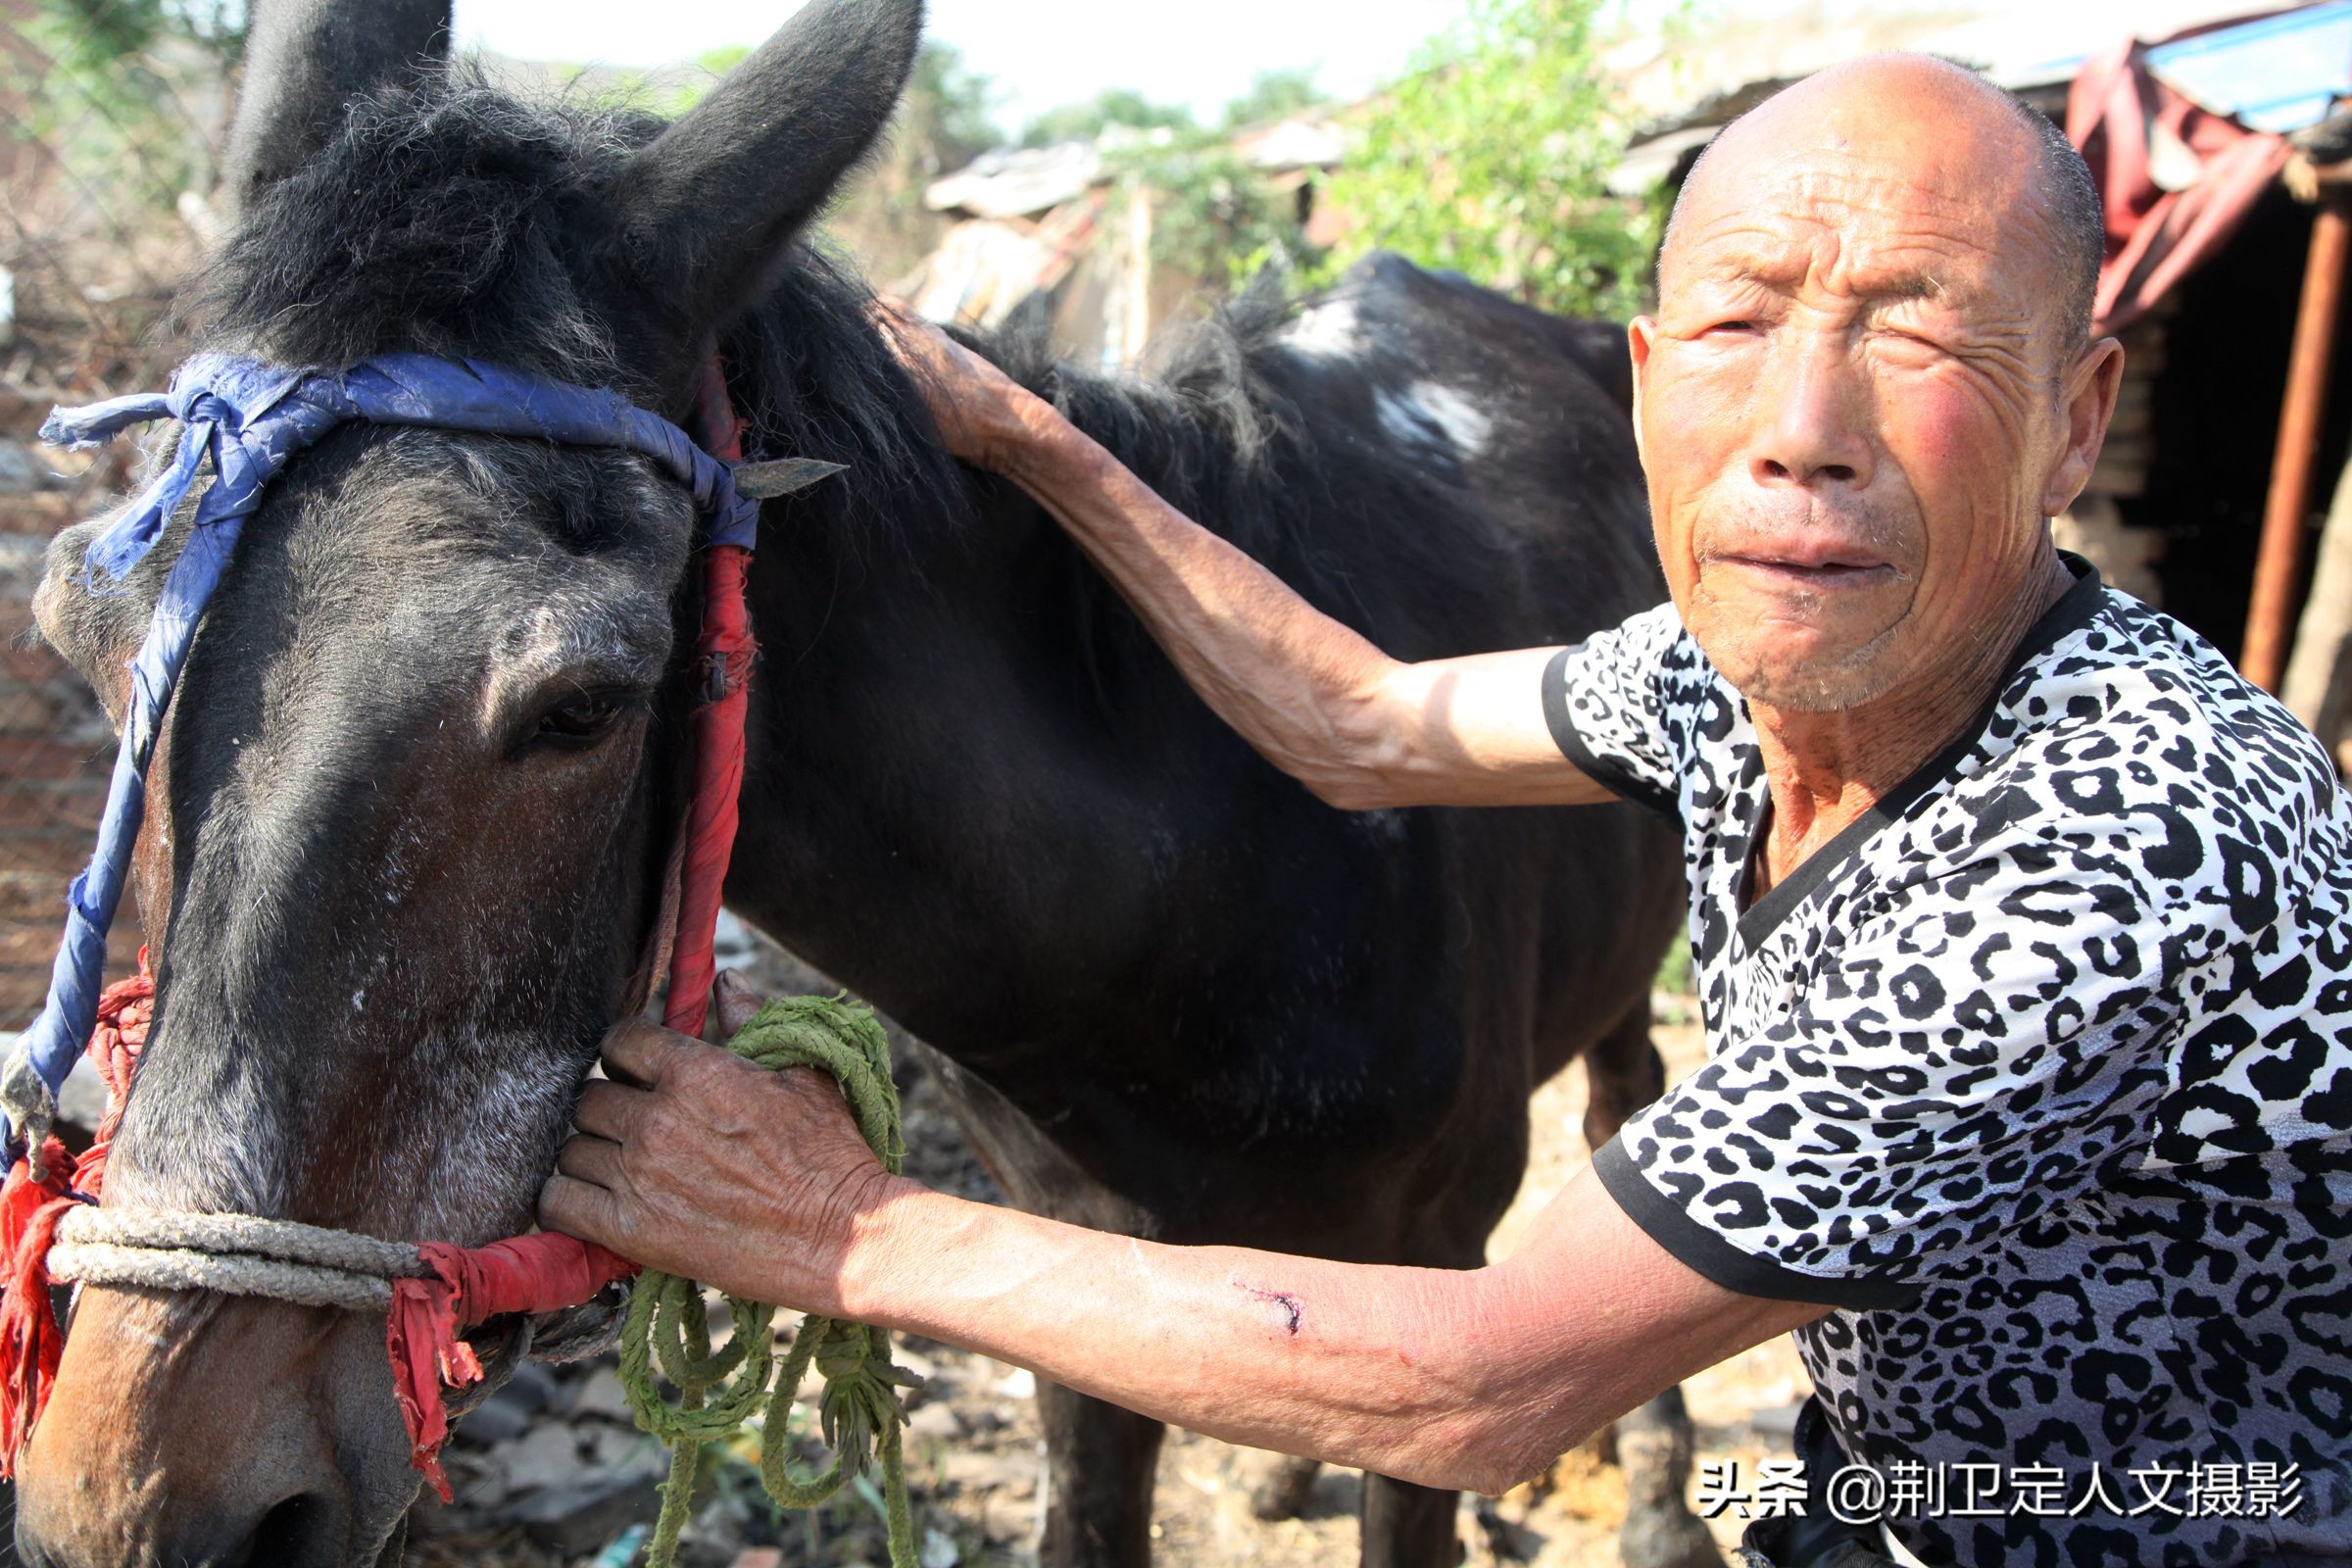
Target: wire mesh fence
[(110, 117)]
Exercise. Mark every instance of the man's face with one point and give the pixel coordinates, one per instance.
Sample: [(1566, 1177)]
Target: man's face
[(1850, 400)]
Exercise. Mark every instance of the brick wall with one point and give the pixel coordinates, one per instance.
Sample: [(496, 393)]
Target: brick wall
[(56, 748), (95, 223)]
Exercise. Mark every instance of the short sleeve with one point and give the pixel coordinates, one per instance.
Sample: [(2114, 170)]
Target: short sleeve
[(1606, 701), (1991, 1042)]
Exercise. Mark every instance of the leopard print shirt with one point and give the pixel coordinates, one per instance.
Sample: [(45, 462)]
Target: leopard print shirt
[(2041, 1073)]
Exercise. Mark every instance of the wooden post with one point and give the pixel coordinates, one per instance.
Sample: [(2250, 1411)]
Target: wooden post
[(2279, 565), (2319, 677)]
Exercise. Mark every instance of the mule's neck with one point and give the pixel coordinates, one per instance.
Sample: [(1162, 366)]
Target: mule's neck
[(927, 786)]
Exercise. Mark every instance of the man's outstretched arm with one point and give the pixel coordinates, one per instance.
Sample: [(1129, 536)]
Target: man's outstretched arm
[(1361, 729), (695, 1162)]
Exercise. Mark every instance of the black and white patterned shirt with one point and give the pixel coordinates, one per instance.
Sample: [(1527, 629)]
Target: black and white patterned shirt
[(2041, 1073)]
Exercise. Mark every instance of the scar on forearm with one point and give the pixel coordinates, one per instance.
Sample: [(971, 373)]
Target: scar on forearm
[(1283, 1300)]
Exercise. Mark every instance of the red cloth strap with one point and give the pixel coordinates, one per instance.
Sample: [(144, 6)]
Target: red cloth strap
[(722, 663), (125, 1012), (30, 1341), (544, 1272), (724, 655)]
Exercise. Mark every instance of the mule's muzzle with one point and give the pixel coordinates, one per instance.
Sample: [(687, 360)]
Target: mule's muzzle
[(305, 1531), (222, 1433)]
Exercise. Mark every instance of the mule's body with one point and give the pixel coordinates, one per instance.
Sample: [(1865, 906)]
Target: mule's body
[(980, 795), (1182, 997), (416, 787)]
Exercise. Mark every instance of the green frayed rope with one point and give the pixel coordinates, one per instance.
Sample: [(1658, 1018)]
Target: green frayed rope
[(667, 1326)]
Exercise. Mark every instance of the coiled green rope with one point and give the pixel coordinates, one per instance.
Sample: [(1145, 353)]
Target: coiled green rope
[(667, 1328)]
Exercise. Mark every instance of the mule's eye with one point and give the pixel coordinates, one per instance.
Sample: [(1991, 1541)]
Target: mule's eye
[(581, 719)]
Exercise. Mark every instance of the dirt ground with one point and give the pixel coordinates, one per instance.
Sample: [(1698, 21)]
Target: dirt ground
[(550, 1476), (1742, 1410)]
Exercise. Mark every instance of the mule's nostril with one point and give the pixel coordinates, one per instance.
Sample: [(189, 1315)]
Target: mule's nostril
[(299, 1532)]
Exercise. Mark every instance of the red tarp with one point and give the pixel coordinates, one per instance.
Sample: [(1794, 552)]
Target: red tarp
[(2155, 237)]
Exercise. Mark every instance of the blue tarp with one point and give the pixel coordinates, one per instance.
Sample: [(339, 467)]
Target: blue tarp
[(2279, 74)]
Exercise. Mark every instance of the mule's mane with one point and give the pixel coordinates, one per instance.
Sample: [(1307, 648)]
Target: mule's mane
[(1202, 425), (438, 222), (450, 216)]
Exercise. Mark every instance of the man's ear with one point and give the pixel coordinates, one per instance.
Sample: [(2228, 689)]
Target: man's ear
[(1641, 336), (2091, 386)]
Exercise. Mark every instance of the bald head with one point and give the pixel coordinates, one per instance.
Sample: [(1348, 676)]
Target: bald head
[(1911, 103), (1867, 385)]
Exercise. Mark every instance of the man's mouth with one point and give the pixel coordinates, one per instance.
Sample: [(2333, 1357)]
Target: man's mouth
[(1828, 569)]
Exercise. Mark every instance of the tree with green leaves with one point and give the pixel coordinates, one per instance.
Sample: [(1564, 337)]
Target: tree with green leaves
[(104, 82), (1273, 94), (1491, 159), (944, 120), (1215, 219), (1114, 106)]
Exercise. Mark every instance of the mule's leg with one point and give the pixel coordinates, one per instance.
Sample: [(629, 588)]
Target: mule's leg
[(1283, 1485), (1623, 1072), (1655, 1443), (1100, 1462), (1655, 1446), (1405, 1526)]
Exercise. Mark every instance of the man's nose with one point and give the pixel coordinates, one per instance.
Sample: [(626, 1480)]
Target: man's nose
[(1818, 409)]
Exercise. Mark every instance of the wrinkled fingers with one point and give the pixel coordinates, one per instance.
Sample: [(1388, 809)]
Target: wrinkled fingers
[(612, 1111), (592, 1160)]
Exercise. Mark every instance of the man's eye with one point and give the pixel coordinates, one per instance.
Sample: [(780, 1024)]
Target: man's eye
[(1736, 324)]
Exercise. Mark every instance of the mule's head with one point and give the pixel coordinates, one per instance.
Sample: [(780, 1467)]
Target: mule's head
[(419, 780)]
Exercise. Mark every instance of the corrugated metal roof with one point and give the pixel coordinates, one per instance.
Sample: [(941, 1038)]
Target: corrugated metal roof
[(2278, 70), (2026, 43), (2280, 74), (1014, 181), (1297, 141)]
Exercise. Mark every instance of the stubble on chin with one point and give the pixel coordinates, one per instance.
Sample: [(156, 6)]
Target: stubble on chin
[(1829, 683), (1816, 688)]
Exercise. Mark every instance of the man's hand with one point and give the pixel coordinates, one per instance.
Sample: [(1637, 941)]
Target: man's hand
[(691, 1161), (987, 418)]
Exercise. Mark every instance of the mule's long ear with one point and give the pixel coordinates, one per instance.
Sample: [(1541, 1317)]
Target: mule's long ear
[(707, 205), (306, 61)]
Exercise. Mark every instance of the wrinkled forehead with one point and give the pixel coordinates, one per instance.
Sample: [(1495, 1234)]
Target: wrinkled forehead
[(1897, 207)]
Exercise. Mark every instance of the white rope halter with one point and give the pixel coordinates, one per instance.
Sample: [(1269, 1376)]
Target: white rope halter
[(241, 1254)]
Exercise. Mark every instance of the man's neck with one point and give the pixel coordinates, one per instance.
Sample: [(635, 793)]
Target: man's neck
[(1825, 769)]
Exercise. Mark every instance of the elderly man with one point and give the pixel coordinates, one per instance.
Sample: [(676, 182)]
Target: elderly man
[(2024, 928)]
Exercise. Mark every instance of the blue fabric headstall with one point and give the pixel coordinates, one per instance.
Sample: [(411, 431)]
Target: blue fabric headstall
[(249, 419)]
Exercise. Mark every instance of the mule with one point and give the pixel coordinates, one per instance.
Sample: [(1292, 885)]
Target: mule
[(417, 786)]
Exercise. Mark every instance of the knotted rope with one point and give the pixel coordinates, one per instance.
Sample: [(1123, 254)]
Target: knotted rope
[(51, 1231), (668, 1328), (238, 1254)]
